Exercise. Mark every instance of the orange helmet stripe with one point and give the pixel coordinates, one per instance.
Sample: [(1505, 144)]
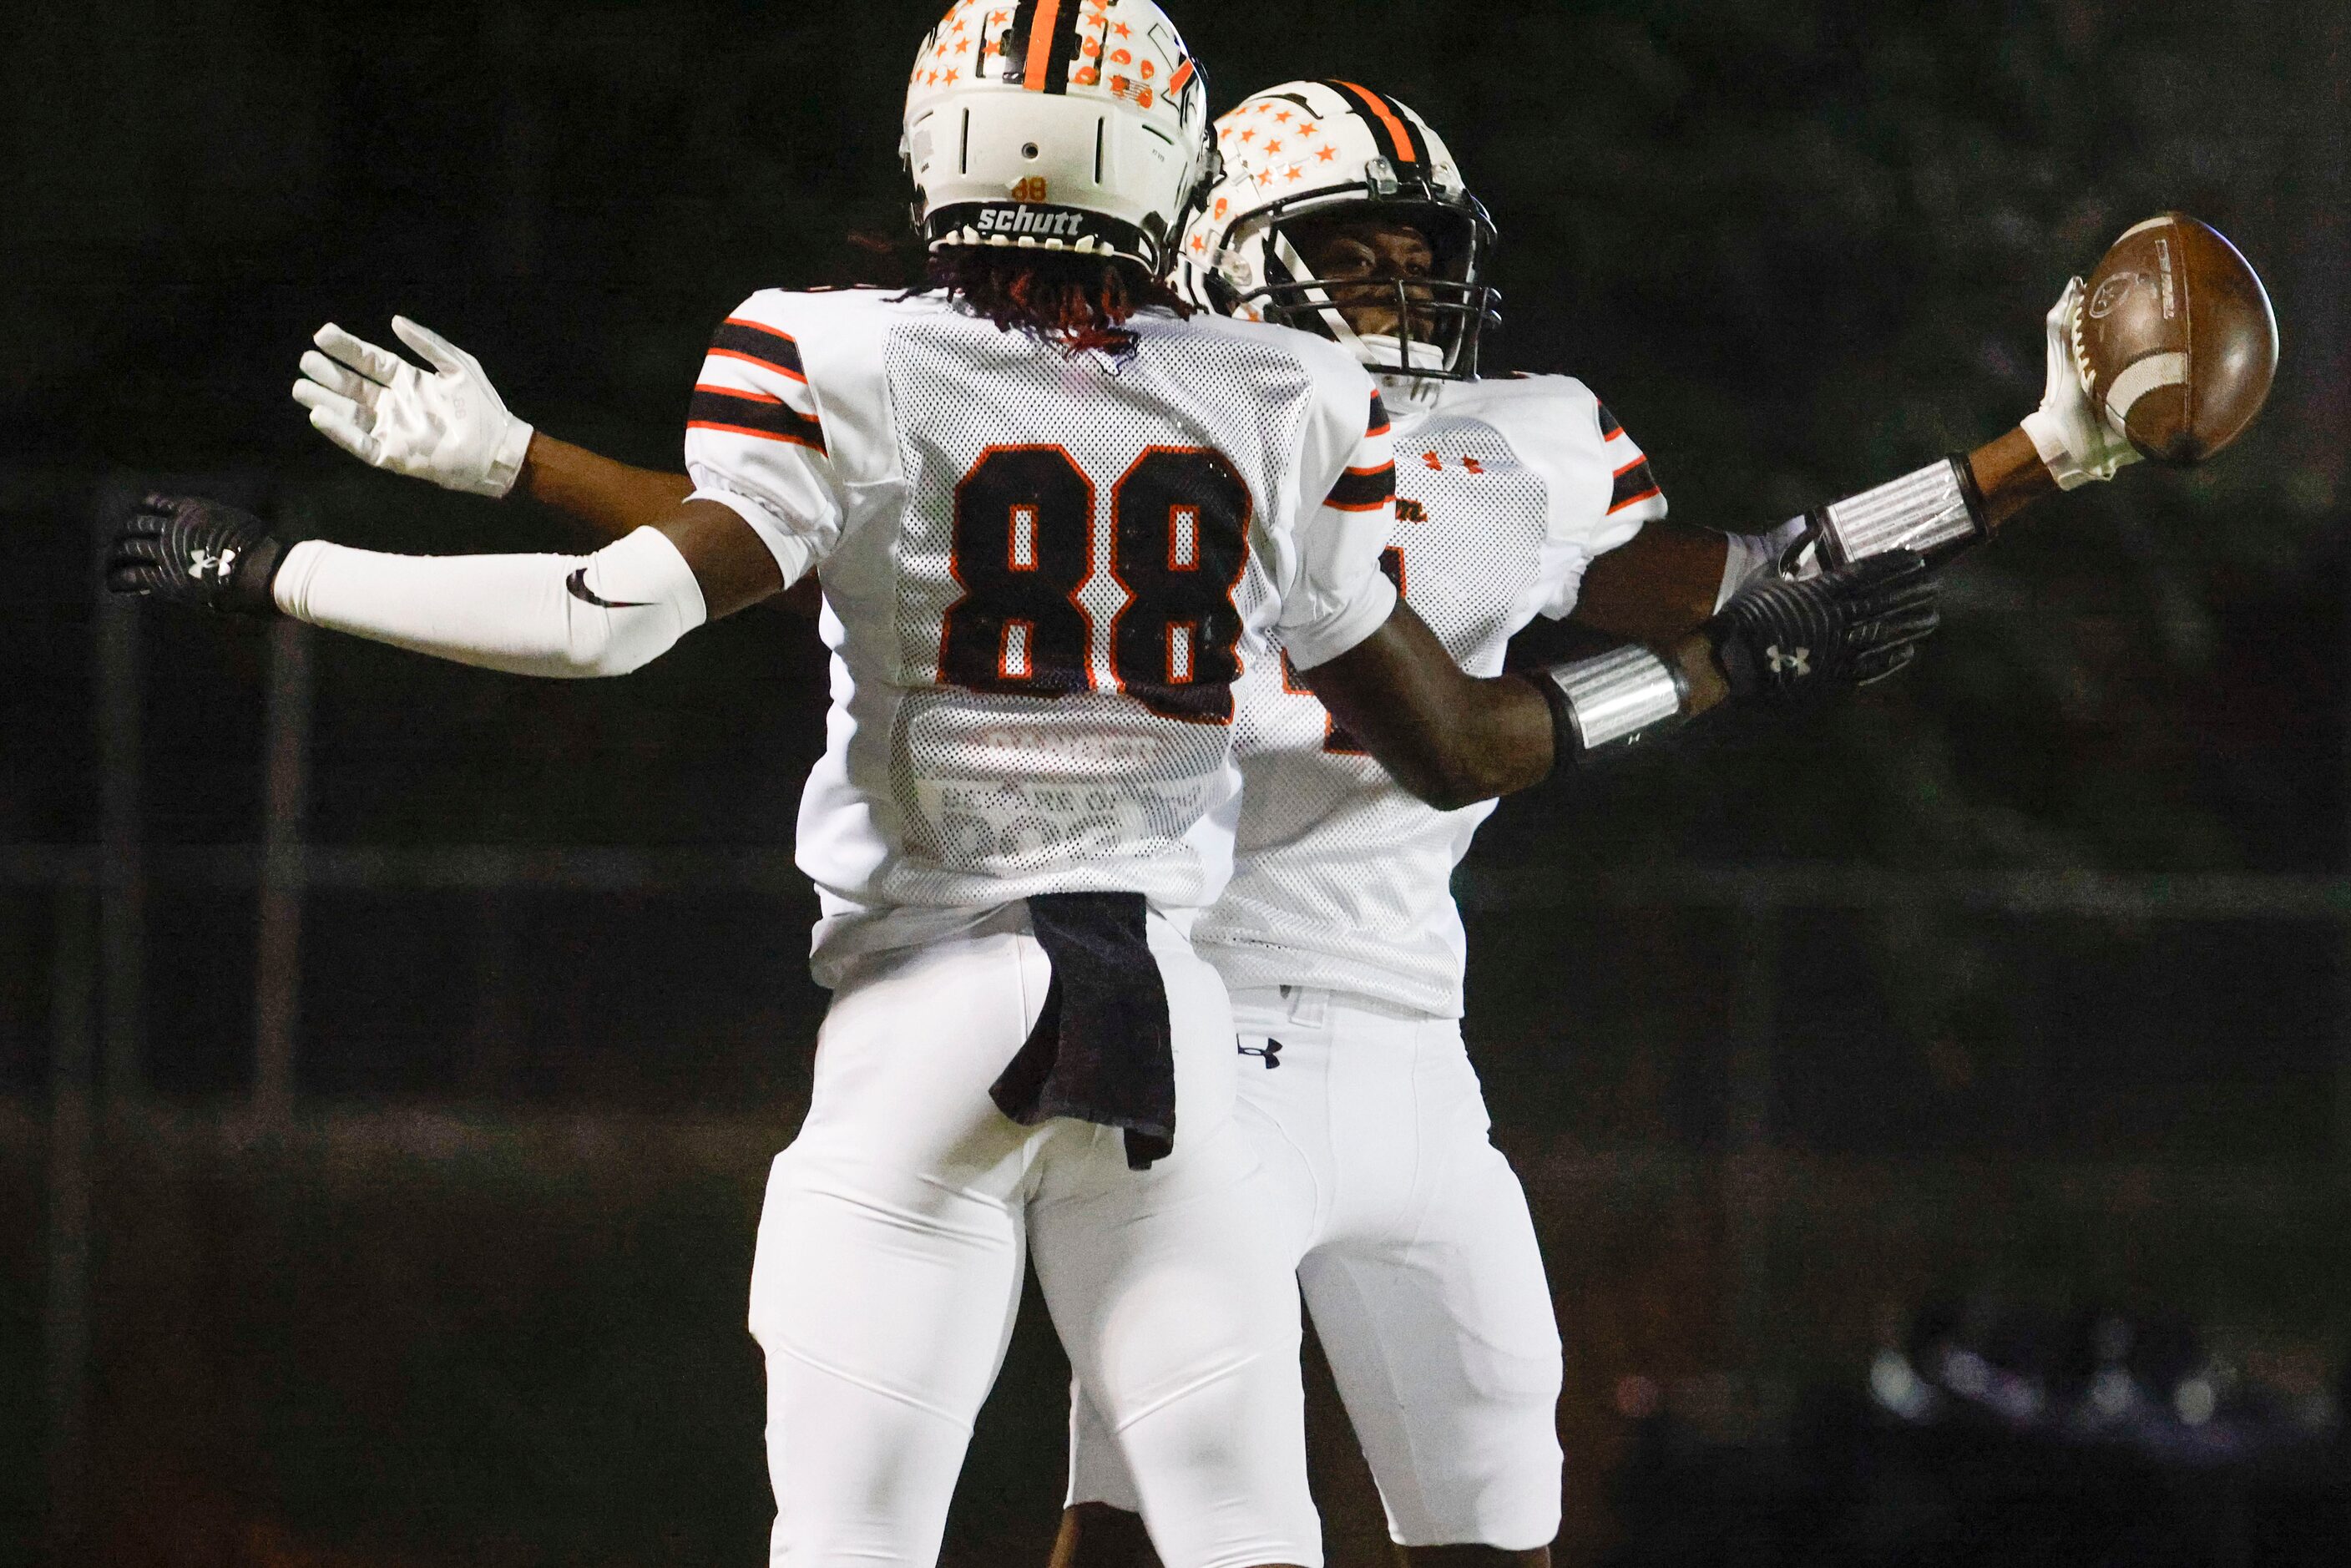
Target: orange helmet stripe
[(1397, 129), (1041, 44)]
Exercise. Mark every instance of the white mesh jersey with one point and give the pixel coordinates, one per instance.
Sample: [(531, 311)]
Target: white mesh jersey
[(1505, 491), (1042, 575)]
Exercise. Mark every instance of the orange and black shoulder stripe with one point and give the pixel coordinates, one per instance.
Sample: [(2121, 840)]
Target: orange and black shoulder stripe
[(743, 411), (1364, 489), (730, 410), (1399, 139), (1635, 481), (1367, 489), (755, 343)]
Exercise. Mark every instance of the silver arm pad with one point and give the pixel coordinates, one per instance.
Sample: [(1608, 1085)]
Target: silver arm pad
[(1617, 698), (1930, 511)]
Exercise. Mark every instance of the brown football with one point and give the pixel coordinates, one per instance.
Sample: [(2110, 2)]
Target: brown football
[(2174, 336)]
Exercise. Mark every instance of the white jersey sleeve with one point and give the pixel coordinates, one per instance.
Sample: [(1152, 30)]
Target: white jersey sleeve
[(1504, 492), (1338, 596), (756, 436), (1602, 490)]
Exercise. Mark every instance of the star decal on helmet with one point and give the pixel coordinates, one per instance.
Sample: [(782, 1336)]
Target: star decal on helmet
[(1361, 147)]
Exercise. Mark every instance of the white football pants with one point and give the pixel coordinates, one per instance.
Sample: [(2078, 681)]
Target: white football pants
[(1413, 1245), (889, 1270)]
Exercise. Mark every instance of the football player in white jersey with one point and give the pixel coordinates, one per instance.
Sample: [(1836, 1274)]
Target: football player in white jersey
[(1056, 520), (1342, 212)]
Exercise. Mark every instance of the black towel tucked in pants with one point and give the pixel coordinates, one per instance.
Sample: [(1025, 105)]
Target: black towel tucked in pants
[(1100, 1050)]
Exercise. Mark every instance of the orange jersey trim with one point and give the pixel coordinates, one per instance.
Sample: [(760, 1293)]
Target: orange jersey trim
[(759, 434), (738, 391), (780, 369)]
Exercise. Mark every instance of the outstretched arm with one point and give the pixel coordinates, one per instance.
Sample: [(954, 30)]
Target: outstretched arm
[(448, 426), (1453, 740), (1671, 575), (561, 616), (611, 500)]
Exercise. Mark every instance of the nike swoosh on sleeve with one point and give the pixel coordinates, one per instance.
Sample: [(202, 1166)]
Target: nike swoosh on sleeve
[(578, 584)]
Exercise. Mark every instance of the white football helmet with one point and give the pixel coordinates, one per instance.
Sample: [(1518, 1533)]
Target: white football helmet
[(1304, 150), (1078, 125)]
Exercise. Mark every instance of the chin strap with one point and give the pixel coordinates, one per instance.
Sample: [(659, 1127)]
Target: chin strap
[(1411, 354), (1401, 391), (1403, 387)]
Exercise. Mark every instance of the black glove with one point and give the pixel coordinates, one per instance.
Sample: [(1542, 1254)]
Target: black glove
[(1787, 640), (193, 551)]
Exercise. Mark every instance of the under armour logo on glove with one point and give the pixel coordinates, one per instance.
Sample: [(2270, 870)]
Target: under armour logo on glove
[(1783, 640), (194, 551), (1270, 1054)]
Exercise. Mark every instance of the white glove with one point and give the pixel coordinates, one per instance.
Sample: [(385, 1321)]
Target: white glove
[(449, 426), (2072, 433)]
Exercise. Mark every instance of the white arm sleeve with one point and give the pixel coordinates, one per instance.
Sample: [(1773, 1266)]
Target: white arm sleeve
[(569, 617)]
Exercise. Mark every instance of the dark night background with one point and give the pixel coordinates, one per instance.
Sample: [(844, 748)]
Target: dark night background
[(2021, 984)]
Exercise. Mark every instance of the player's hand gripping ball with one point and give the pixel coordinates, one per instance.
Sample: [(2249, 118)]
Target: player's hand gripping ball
[(2175, 339)]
